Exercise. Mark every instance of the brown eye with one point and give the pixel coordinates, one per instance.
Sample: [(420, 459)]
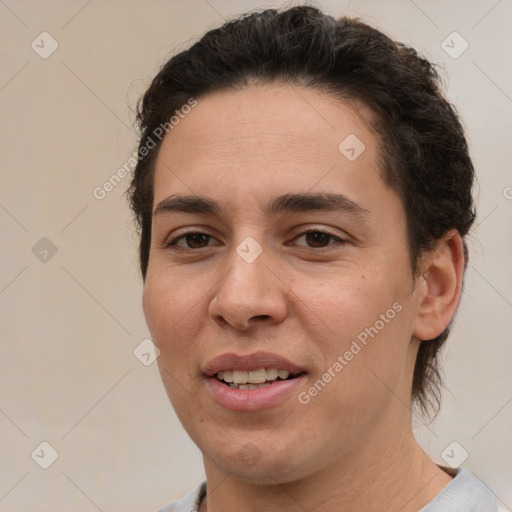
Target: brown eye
[(318, 239), (197, 239), (193, 240)]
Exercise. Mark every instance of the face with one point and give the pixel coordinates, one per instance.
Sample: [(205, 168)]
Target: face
[(292, 272)]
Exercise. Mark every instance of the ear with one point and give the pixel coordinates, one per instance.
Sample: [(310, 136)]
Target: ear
[(439, 294)]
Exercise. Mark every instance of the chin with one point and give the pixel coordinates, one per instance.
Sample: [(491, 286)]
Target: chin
[(263, 466)]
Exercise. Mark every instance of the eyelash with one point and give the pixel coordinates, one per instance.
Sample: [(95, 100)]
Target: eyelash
[(172, 244)]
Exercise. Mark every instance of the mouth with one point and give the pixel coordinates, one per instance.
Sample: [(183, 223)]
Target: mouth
[(252, 382), (254, 379)]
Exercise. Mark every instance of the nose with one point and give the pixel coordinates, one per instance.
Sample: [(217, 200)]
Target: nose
[(249, 293)]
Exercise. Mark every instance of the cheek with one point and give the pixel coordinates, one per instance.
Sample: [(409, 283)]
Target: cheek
[(163, 306), (174, 309), (155, 302), (348, 303), (169, 312), (369, 321)]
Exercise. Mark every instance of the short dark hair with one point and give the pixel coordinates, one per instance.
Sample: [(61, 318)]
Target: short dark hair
[(424, 154)]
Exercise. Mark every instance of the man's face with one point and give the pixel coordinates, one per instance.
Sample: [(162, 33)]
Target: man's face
[(326, 294)]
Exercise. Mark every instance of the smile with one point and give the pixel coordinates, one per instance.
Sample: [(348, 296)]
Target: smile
[(251, 382), (254, 379)]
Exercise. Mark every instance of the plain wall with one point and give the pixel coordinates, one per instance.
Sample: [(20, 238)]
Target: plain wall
[(71, 322)]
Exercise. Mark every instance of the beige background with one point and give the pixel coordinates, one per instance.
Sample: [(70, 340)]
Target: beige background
[(70, 324)]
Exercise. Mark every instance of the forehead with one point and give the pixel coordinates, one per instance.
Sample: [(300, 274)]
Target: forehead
[(268, 137)]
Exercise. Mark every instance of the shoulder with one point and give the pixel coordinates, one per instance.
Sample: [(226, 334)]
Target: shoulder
[(190, 503), (465, 493)]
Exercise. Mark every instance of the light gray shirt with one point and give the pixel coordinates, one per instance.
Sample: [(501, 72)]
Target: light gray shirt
[(465, 493)]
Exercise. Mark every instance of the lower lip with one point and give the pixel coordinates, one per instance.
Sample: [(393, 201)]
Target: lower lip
[(253, 399)]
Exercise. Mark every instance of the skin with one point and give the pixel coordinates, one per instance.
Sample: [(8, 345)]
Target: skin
[(351, 447)]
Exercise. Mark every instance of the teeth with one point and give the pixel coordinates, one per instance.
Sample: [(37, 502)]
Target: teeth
[(248, 386), (257, 376), (272, 373), (240, 378), (283, 374)]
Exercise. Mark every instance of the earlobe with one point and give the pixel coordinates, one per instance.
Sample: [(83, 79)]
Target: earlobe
[(443, 269)]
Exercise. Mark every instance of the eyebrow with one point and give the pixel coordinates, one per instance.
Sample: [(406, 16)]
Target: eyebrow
[(287, 203)]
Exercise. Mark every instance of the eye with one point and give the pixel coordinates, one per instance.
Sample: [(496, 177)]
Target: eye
[(318, 239), (315, 239), (193, 240)]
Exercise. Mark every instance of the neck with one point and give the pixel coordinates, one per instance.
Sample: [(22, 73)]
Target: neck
[(395, 474)]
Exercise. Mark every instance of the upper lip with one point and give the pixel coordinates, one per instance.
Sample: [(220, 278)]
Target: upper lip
[(231, 361)]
